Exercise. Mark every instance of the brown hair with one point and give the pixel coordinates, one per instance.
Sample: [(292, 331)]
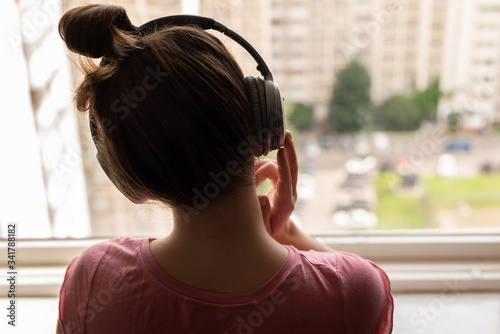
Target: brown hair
[(171, 107)]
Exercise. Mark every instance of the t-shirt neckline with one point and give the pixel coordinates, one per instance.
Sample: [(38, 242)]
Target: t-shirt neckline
[(189, 292)]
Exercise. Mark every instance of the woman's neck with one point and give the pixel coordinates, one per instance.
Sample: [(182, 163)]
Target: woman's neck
[(223, 248)]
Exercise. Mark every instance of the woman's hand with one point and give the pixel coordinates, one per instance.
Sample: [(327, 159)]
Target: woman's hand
[(279, 202)]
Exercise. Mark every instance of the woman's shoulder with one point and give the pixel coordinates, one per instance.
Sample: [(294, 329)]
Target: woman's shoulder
[(341, 261), (364, 286), (119, 244), (354, 274), (119, 249)]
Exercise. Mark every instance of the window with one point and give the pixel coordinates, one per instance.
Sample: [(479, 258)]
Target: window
[(439, 7), (413, 5), (435, 60), (436, 43), (437, 25), (430, 194), (389, 58), (412, 25), (69, 180), (340, 3), (410, 57), (389, 40)]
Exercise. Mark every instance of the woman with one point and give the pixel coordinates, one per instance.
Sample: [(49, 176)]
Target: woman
[(172, 122)]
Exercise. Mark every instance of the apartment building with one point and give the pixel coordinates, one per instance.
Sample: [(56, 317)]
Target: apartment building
[(471, 62), (400, 43), (404, 45)]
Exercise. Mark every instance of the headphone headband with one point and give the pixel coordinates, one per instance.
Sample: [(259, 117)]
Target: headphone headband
[(207, 23)]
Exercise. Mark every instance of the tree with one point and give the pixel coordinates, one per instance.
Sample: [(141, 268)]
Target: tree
[(427, 100), (350, 101), (454, 120), (397, 113), (300, 115), (406, 112)]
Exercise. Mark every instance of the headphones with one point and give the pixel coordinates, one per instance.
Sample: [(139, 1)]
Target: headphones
[(266, 103)]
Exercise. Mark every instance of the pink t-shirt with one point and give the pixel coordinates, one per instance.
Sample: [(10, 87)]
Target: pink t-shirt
[(117, 287)]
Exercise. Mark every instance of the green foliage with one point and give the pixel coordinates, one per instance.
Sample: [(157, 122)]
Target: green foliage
[(427, 100), (398, 113), (351, 100), (300, 116), (406, 113), (454, 119)]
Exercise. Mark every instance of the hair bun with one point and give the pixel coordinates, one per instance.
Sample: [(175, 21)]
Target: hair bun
[(97, 31)]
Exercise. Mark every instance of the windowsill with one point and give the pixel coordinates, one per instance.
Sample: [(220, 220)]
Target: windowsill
[(429, 261), (414, 263), (417, 247)]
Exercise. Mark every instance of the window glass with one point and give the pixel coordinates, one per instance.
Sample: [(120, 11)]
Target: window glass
[(396, 129)]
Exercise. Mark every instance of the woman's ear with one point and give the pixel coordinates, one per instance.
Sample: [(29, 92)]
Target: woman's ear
[(141, 201)]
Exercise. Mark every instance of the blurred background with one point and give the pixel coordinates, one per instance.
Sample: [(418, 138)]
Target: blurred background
[(394, 107)]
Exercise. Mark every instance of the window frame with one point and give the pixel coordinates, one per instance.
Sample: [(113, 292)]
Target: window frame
[(414, 262)]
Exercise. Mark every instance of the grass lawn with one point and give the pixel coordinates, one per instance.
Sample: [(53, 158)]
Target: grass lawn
[(445, 202), (396, 212)]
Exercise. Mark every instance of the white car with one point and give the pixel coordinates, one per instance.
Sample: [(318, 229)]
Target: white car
[(447, 165), (357, 218), (357, 215), (361, 165)]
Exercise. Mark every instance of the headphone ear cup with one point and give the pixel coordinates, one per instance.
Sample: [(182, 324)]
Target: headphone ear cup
[(276, 116), (255, 100)]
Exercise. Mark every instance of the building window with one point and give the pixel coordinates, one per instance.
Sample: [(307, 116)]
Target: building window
[(436, 43), (389, 41), (388, 58), (437, 25), (413, 5)]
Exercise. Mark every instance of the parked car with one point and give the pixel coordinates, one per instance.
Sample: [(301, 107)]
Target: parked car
[(447, 165), (360, 165), (356, 215), (355, 181)]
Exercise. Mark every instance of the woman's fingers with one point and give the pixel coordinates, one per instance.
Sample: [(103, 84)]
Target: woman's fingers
[(292, 161), (284, 185), (266, 170), (283, 200), (259, 163), (279, 202)]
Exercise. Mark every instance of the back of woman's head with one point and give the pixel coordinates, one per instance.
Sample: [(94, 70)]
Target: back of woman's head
[(170, 107)]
